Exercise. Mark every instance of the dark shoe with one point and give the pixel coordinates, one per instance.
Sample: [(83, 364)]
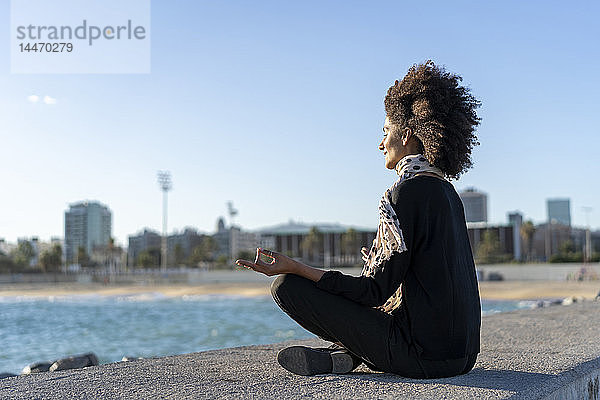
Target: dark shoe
[(356, 361), (307, 361)]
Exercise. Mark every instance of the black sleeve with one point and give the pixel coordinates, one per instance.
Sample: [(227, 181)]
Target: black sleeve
[(373, 290), (376, 290)]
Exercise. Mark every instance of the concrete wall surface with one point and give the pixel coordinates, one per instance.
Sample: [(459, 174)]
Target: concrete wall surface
[(540, 272), (194, 276), (548, 353)]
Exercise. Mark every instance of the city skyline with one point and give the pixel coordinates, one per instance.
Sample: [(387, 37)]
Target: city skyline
[(477, 210), (255, 108)]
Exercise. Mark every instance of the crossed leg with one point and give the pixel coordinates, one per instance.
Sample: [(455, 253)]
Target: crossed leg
[(366, 332)]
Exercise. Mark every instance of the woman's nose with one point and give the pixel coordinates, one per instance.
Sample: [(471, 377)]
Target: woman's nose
[(381, 146)]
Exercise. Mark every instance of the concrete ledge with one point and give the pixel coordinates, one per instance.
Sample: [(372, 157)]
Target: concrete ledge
[(550, 353)]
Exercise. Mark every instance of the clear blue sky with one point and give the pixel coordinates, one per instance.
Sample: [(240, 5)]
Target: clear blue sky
[(279, 107)]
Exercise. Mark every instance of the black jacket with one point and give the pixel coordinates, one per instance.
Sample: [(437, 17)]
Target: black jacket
[(441, 310)]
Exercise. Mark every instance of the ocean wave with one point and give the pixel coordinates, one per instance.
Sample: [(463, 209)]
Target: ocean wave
[(128, 297), (141, 297), (83, 298), (217, 297), (50, 298)]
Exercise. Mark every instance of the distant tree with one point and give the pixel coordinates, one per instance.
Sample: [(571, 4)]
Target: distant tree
[(567, 253), (222, 261), (350, 242), (82, 257), (489, 250), (7, 265), (312, 243), (23, 254), (204, 251), (527, 231), (179, 254), (567, 247), (196, 256), (51, 260), (209, 247), (148, 259), (246, 255)]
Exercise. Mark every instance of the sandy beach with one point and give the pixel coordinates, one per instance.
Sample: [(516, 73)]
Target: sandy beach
[(503, 290)]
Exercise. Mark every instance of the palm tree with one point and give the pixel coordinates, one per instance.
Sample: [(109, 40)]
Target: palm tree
[(489, 250), (527, 231)]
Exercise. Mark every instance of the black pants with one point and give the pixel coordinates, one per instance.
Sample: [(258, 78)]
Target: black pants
[(370, 334)]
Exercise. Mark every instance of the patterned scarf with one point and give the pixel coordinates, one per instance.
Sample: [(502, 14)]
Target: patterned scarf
[(389, 235)]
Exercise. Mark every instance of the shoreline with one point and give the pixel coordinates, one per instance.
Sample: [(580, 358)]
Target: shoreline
[(249, 289), (500, 290)]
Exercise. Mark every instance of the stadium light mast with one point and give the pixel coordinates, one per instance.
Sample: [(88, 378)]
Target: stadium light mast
[(164, 180), (587, 254), (233, 234)]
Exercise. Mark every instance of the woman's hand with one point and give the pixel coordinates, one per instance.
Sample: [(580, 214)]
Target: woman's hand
[(280, 264)]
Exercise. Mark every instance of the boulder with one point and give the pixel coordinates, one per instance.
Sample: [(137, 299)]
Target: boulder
[(79, 361), (572, 299), (495, 276), (43, 366), (131, 358)]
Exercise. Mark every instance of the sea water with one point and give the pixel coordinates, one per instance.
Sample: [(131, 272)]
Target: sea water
[(36, 329)]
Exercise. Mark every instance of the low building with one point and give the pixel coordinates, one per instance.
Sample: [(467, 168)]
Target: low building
[(181, 244), (504, 234), (319, 244), (5, 247), (232, 241), (143, 241)]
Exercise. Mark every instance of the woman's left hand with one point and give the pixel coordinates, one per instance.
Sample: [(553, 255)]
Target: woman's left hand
[(280, 264)]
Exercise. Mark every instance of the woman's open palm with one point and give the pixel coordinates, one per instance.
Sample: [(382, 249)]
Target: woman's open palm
[(279, 264)]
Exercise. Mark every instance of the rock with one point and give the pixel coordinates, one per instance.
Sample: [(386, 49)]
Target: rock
[(43, 366), (495, 276), (540, 304), (567, 301), (6, 375), (131, 358), (79, 361), (572, 299)]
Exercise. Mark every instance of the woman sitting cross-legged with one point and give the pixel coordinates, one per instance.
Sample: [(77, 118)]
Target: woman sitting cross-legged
[(415, 309)]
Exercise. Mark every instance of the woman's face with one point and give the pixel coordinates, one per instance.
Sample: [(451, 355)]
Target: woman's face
[(391, 145)]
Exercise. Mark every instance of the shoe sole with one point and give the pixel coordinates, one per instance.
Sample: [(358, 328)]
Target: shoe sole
[(306, 361)]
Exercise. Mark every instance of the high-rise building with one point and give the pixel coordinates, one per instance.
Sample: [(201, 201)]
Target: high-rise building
[(559, 211), (88, 225), (515, 219), (475, 204)]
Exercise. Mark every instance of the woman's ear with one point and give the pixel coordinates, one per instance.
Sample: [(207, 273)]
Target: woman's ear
[(406, 135)]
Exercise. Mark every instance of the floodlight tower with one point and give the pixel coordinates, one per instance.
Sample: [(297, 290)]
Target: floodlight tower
[(587, 255), (164, 180), (233, 233)]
